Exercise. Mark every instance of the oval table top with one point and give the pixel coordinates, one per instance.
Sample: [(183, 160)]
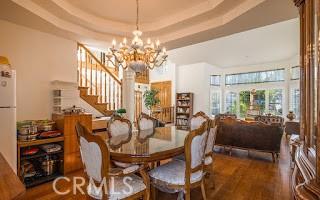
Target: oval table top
[(148, 145)]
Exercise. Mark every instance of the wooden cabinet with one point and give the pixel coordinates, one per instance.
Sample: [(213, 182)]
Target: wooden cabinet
[(66, 123), (164, 94)]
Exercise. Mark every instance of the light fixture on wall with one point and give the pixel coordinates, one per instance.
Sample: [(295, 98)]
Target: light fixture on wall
[(136, 55)]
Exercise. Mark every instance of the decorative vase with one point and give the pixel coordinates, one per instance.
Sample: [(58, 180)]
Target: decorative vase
[(291, 116)]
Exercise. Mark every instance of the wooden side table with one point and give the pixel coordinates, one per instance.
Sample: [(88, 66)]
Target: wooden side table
[(292, 128)]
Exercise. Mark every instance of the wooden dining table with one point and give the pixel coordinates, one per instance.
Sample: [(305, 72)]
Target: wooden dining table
[(148, 146)]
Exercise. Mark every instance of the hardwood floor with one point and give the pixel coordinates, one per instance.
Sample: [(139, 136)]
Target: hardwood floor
[(241, 176)]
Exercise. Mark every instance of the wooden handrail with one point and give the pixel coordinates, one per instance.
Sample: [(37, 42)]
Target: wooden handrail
[(103, 88), (98, 61)]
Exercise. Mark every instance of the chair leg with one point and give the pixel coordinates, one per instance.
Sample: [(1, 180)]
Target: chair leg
[(146, 196), (153, 192), (212, 177), (187, 195), (273, 157), (203, 190)]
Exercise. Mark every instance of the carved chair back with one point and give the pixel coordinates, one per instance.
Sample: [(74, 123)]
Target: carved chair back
[(119, 126), (195, 145), (197, 119), (146, 122), (95, 156)]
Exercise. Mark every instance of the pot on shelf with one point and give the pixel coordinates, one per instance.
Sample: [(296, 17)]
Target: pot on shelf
[(49, 166)]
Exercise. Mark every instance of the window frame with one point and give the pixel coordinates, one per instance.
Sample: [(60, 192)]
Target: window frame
[(219, 78), (254, 72), (291, 73)]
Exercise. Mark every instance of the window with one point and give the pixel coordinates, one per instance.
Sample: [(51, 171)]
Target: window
[(244, 102), (275, 101), (295, 102), (295, 73), (231, 102), (255, 77), (215, 80), (215, 102), (260, 100)]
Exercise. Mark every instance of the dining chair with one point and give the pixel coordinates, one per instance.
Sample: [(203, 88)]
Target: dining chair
[(105, 182), (182, 176), (195, 122), (208, 161), (119, 126), (119, 131), (146, 122), (197, 119)]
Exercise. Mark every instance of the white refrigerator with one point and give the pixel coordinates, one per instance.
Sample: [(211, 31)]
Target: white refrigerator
[(8, 130)]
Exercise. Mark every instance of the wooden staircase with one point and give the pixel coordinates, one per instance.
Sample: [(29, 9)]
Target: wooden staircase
[(98, 85)]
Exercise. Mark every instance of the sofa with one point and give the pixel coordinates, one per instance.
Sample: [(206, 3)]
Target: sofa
[(253, 135)]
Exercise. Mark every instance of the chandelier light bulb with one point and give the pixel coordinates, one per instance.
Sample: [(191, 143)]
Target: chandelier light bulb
[(148, 41), (157, 43), (114, 42), (164, 50), (124, 41)]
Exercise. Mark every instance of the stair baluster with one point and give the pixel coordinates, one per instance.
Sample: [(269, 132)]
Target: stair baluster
[(98, 86)]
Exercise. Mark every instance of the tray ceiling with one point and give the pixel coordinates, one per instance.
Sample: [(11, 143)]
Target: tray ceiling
[(176, 23)]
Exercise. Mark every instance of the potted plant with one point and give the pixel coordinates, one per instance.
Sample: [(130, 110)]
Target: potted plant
[(150, 99), (121, 111)]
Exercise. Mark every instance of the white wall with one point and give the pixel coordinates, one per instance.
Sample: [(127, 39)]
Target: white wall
[(166, 73), (266, 44), (38, 58), (195, 78)]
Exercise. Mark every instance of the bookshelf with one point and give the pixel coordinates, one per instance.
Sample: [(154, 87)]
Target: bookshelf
[(184, 109)]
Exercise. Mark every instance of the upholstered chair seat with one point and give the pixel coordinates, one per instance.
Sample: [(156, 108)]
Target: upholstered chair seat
[(182, 175), (173, 173)]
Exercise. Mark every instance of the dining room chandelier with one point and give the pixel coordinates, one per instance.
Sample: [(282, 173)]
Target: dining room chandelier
[(136, 55)]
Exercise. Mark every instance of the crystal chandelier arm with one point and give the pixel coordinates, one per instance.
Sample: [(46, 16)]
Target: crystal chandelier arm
[(116, 60), (164, 59), (154, 58)]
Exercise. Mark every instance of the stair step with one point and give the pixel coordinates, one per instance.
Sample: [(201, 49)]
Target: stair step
[(102, 104), (82, 87), (83, 90)]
